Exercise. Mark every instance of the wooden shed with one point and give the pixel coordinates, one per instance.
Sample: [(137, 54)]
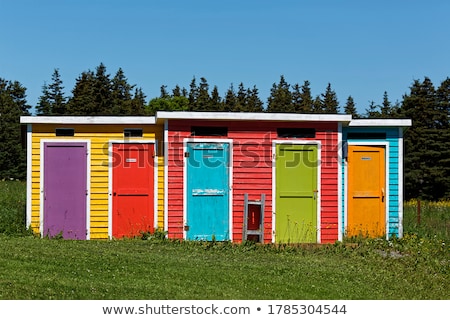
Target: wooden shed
[(222, 168), (373, 177), (94, 177)]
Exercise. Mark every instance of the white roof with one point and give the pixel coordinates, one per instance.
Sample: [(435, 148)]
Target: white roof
[(251, 116), (380, 123), (87, 120)]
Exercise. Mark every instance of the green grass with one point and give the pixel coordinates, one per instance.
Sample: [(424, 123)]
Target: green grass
[(415, 267), (12, 207), (434, 219)]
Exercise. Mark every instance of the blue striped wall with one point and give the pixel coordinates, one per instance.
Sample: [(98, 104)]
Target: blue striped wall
[(392, 137)]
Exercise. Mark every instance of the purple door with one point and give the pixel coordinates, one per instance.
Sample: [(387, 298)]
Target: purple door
[(65, 188)]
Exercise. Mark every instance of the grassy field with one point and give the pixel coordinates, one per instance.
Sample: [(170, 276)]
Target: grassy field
[(414, 267)]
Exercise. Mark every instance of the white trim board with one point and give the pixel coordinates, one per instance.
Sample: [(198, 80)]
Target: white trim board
[(252, 116), (87, 120)]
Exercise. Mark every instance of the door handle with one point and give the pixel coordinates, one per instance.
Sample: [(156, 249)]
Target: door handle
[(382, 194), (315, 192)]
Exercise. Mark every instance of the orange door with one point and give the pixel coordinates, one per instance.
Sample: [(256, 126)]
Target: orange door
[(133, 189), (366, 191)]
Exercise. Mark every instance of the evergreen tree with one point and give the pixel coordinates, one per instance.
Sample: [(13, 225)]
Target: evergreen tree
[(44, 106), (203, 101), (82, 101), (443, 124), (121, 94), (280, 99), (317, 106), (424, 156), (350, 108), (137, 103), (13, 104), (330, 102), (306, 98), (216, 101), (386, 107), (230, 100), (163, 92), (193, 94), (52, 101), (56, 94), (241, 99), (301, 98), (102, 91), (373, 111), (254, 103), (296, 98), (176, 92)]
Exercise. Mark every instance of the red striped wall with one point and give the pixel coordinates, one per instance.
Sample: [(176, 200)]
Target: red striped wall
[(252, 171)]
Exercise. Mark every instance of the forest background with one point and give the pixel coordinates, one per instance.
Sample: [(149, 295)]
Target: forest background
[(96, 92)]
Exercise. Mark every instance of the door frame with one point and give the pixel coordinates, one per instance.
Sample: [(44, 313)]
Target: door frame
[(318, 143), (110, 178), (384, 144), (88, 180), (230, 180)]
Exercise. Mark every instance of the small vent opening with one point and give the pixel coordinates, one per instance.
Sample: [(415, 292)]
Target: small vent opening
[(296, 132), (132, 132), (64, 132), (366, 135), (209, 131)]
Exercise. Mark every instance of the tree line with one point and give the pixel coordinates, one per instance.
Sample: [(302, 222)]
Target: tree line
[(427, 142)]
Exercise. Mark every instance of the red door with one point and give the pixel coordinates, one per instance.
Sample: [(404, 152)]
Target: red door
[(133, 189)]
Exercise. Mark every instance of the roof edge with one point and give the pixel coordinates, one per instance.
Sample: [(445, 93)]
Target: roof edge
[(87, 120), (259, 116), (380, 123)]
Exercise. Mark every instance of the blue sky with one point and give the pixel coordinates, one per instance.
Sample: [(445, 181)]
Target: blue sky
[(362, 48)]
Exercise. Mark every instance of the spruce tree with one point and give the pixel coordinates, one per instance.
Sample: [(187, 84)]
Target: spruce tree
[(82, 101), (13, 104), (193, 95), (56, 94), (44, 106), (317, 105), (306, 98), (229, 102), (386, 107), (203, 101), (330, 102), (443, 125), (280, 99), (137, 103), (52, 101), (102, 91), (350, 108), (373, 110), (296, 98), (254, 103), (216, 101), (424, 156), (121, 94), (241, 99)]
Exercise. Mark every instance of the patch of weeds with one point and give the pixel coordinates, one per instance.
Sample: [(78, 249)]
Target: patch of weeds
[(157, 234)]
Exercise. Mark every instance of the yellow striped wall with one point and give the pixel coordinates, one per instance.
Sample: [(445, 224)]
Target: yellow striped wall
[(99, 136)]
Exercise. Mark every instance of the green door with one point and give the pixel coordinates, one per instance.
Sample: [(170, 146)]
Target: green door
[(296, 193)]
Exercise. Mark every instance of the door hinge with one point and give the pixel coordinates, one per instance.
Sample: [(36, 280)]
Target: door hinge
[(186, 154), (186, 228)]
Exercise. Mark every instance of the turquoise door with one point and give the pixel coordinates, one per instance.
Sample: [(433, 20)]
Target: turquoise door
[(207, 191)]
